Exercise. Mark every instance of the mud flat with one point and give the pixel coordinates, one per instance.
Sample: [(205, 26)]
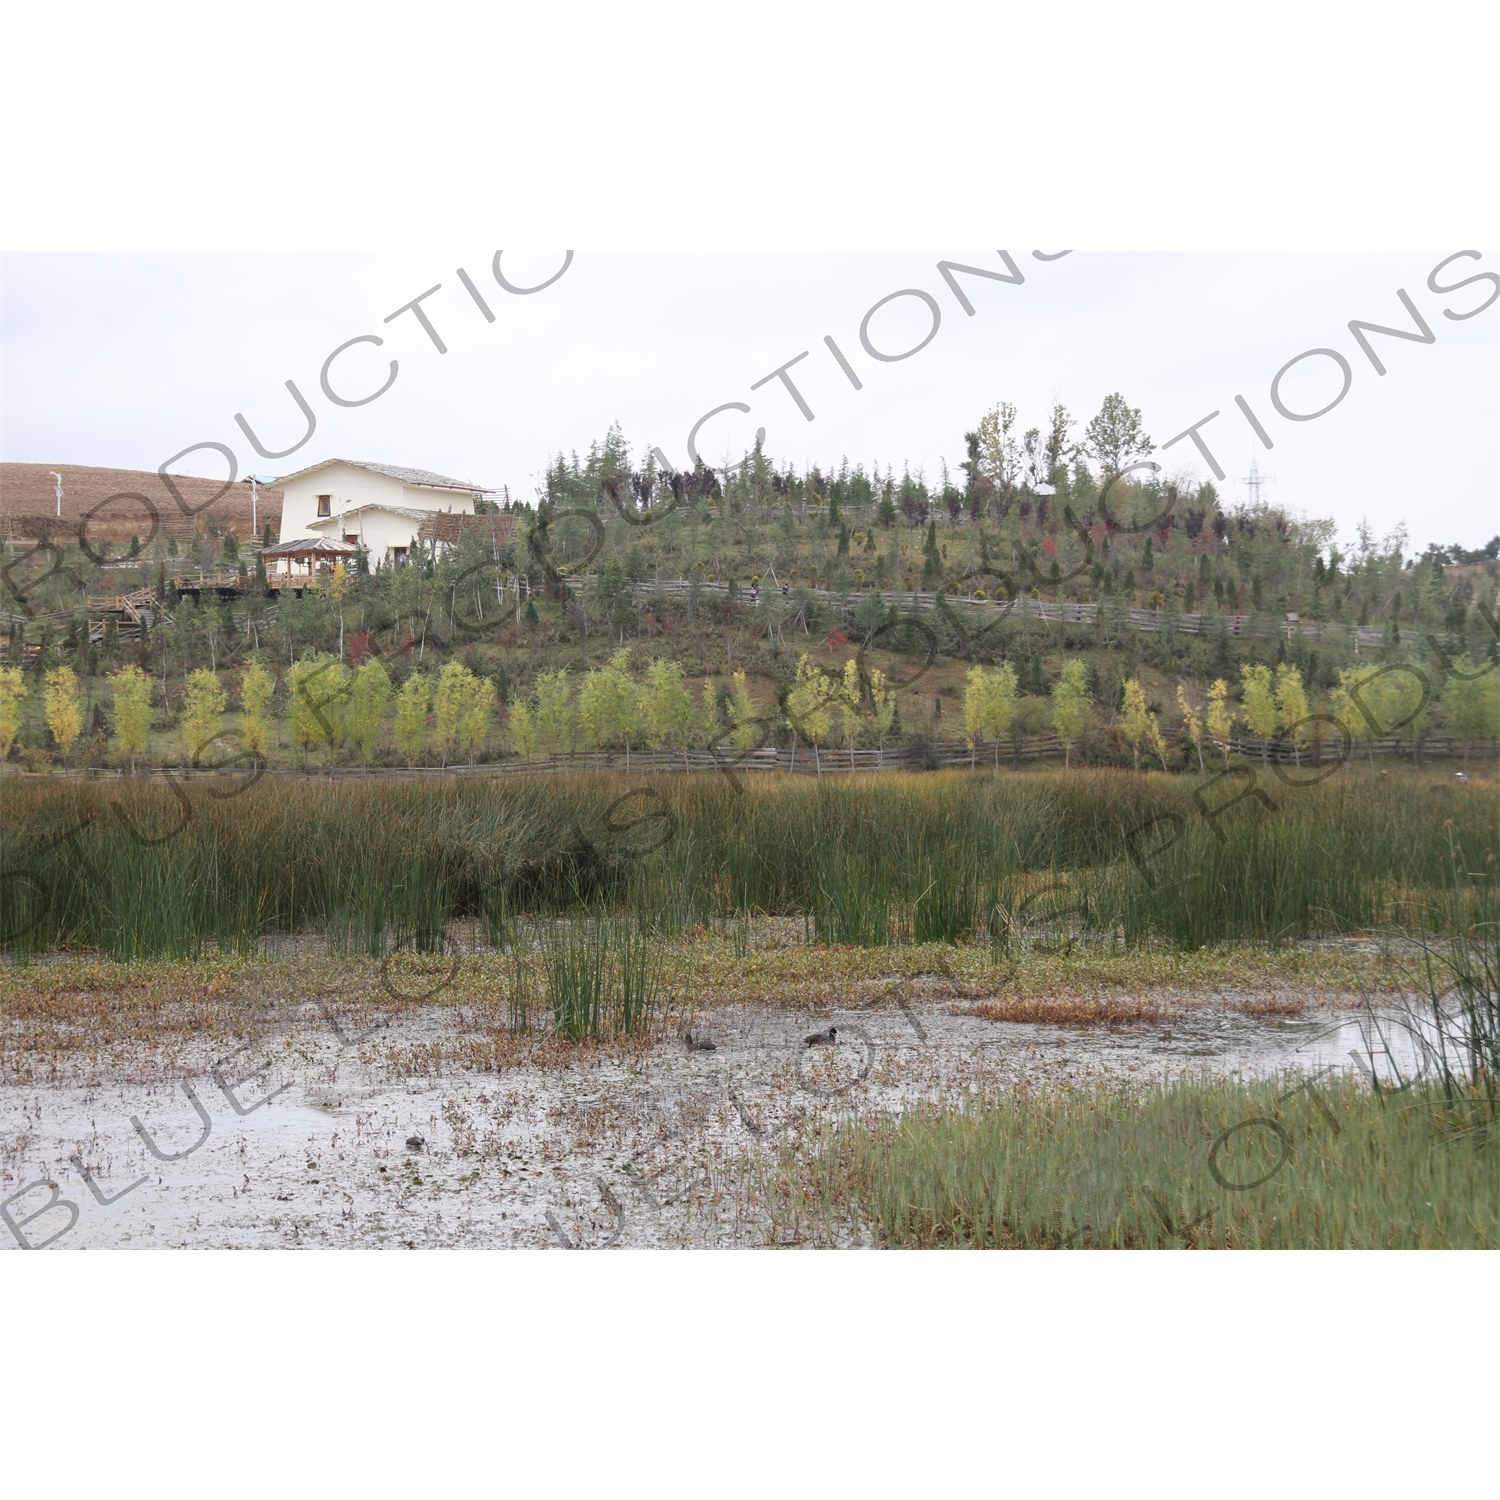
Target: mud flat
[(359, 1122)]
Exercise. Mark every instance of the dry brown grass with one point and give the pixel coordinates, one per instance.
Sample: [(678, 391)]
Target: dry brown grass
[(1068, 1010), (78, 1015), (495, 1049), (28, 503), (1272, 1005)]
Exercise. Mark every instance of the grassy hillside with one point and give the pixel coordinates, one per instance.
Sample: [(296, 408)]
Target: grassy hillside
[(839, 567)]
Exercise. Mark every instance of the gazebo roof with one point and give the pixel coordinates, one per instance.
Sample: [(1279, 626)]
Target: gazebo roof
[(307, 546)]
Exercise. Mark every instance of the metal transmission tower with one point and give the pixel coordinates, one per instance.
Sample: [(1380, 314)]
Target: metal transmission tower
[(1256, 482)]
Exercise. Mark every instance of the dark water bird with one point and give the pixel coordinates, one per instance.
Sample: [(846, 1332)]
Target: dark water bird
[(700, 1045), (414, 1143), (823, 1038)]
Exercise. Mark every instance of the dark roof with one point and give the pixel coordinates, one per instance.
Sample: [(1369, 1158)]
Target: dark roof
[(394, 471)]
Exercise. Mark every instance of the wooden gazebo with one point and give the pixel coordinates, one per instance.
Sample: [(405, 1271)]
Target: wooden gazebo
[(306, 563)]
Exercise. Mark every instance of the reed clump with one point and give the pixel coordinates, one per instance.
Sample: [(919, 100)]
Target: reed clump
[(137, 870), (603, 976)]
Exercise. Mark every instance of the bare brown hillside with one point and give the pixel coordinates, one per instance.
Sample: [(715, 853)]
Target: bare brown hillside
[(105, 500)]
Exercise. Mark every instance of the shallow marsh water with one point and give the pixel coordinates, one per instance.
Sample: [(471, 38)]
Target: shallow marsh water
[(306, 1140)]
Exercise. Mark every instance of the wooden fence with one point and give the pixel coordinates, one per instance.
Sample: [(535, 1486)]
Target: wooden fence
[(804, 760), (1108, 616)]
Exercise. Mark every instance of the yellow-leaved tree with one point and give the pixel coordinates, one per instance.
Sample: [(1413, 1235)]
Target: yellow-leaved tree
[(1373, 702), (1134, 717), (1220, 716), (1258, 703), (12, 691), (743, 713), (1342, 705), (317, 691), (883, 708), (1139, 726), (64, 712), (520, 723), (1070, 702), (976, 687), (453, 689), (556, 716), (1471, 703), (257, 687), (666, 707), (1192, 725), (132, 711), (411, 716), (710, 721), (202, 712), (369, 700), (338, 590), (807, 707), (477, 717), (989, 706), (607, 705), (849, 699), (1154, 739), (1292, 709)]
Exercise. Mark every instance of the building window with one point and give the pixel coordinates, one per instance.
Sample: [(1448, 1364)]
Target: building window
[(325, 505), (398, 555), (352, 540)]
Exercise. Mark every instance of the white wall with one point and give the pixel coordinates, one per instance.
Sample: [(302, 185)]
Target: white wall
[(460, 502), (377, 531), (350, 487)]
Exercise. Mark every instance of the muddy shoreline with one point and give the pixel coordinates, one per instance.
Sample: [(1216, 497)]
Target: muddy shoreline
[(360, 1125)]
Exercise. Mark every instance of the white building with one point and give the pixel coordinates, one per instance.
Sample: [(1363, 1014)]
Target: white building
[(378, 507)]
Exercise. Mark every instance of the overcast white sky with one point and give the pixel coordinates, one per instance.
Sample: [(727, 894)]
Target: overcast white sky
[(125, 359)]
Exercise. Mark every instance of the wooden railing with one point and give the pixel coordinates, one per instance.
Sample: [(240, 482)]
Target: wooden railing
[(193, 583), (836, 760), (279, 581), (130, 605), (1046, 611)]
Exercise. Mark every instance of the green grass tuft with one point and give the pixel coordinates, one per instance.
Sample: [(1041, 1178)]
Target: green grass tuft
[(1269, 1164)]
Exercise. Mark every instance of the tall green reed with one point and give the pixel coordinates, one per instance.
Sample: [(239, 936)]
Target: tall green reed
[(140, 870), (603, 974), (853, 903)]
